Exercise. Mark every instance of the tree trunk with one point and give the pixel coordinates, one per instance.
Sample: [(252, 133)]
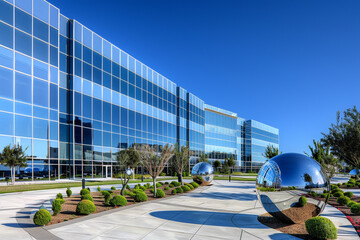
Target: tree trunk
[(154, 183), (180, 178), (124, 183), (12, 175)]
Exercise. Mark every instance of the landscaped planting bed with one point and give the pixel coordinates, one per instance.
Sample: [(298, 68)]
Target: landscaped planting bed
[(139, 193)]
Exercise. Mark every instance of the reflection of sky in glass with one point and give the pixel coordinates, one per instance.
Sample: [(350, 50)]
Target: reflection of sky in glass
[(202, 168)]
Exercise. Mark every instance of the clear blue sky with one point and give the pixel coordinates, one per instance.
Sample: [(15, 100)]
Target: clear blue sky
[(290, 64)]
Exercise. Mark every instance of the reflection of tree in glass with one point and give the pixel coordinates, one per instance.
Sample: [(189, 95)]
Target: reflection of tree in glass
[(308, 178)]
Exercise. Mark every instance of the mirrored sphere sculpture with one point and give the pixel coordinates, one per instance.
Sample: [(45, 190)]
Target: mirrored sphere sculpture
[(202, 173), (354, 172), (284, 179)]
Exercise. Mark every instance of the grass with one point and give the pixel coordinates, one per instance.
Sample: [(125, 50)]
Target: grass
[(34, 187), (234, 178)]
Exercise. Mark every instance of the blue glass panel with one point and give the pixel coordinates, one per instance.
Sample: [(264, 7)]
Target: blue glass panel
[(97, 76), (77, 84), (6, 36), (54, 56), (54, 135), (23, 42), (54, 75), (6, 83), (40, 93), (6, 105), (63, 44), (87, 71), (23, 126), (40, 112), (97, 137), (97, 43), (6, 119), (54, 17), (54, 37), (87, 37), (22, 63), (54, 115), (64, 28), (40, 128), (106, 112), (41, 50), (41, 10), (97, 109), (107, 80), (23, 21), (64, 133), (6, 57), (115, 84), (97, 91), (40, 150), (87, 55), (97, 60), (115, 55), (40, 70), (41, 30), (87, 87), (107, 49), (78, 50), (78, 68), (6, 12), (106, 65), (106, 139), (23, 108), (25, 5), (78, 30), (22, 87), (87, 106), (64, 66), (54, 92)]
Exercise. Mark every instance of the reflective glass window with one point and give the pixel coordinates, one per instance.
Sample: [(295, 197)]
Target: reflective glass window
[(25, 5), (6, 119), (115, 69), (87, 37), (124, 59), (6, 83), (40, 50), (6, 36), (97, 109), (6, 57), (54, 56), (23, 21), (106, 65), (97, 43), (87, 108), (63, 44), (107, 139), (124, 88), (40, 112), (87, 71), (78, 30), (22, 63), (54, 75), (97, 137), (115, 54), (87, 55), (107, 80), (97, 91), (6, 12), (87, 87), (106, 112), (22, 108), (40, 93), (54, 37), (78, 50), (23, 42), (115, 84), (107, 49), (54, 135), (40, 128), (54, 93), (23, 88), (41, 30), (97, 76), (23, 126), (124, 74), (97, 60), (40, 70), (64, 29), (41, 10), (64, 66), (40, 150), (6, 105), (54, 17), (78, 68)]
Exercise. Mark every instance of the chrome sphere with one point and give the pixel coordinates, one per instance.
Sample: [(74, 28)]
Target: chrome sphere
[(284, 179), (202, 173)]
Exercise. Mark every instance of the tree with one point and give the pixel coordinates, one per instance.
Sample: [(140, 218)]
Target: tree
[(271, 152), (230, 162), (217, 164), (153, 161), (322, 155), (344, 137), (128, 158), (179, 160), (203, 158), (13, 157)]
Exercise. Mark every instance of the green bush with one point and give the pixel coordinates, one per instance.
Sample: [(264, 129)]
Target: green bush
[(179, 190), (348, 194), (118, 200), (324, 195), (313, 194), (68, 192), (87, 197), (339, 184), (158, 185), (113, 188), (166, 183), (350, 203), (302, 201), (85, 207), (84, 191), (173, 191), (338, 194), (151, 190), (147, 185), (56, 206), (176, 184), (128, 187), (334, 187), (59, 196), (161, 183), (171, 185), (166, 188), (355, 208), (352, 181), (195, 185), (350, 185), (61, 201), (342, 200), (140, 197), (160, 193), (190, 186), (162, 174), (98, 189), (185, 188), (143, 188), (321, 228), (42, 217)]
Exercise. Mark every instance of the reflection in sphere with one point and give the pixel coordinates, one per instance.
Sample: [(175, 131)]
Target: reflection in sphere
[(202, 173), (284, 179)]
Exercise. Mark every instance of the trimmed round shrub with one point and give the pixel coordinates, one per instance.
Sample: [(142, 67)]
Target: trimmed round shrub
[(350, 185), (158, 185), (338, 194), (179, 190), (118, 200), (160, 193), (339, 184), (325, 191), (56, 206), (334, 187), (143, 188), (85, 207), (140, 197), (166, 183), (84, 191), (355, 208), (185, 188), (352, 181), (350, 203), (313, 194), (321, 228), (128, 187), (98, 189), (343, 200), (190, 186), (68, 192), (113, 188), (194, 184), (176, 184), (171, 185), (166, 188), (87, 197), (151, 190), (302, 201), (173, 191), (42, 217), (59, 196), (61, 201), (348, 194), (161, 183), (136, 187)]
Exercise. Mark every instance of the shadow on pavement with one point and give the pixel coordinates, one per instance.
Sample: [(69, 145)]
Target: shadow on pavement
[(16, 225), (224, 195)]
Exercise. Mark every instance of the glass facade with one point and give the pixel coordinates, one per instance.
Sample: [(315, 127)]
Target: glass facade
[(75, 100)]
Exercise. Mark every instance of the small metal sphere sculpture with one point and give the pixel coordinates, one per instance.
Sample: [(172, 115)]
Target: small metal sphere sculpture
[(202, 173), (284, 179)]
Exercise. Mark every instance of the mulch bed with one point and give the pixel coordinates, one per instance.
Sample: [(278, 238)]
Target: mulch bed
[(68, 211)]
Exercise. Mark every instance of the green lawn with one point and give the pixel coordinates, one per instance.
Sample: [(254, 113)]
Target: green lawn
[(32, 187)]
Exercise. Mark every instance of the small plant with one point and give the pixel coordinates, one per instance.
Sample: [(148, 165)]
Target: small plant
[(324, 195), (84, 191), (56, 206), (98, 189), (166, 183), (313, 194), (68, 192), (166, 188), (85, 207), (87, 197), (195, 185), (355, 208), (158, 185), (140, 197), (190, 186), (160, 193), (128, 187), (321, 228), (343, 200), (179, 190), (302, 201), (173, 191), (185, 188), (348, 194), (143, 188), (59, 196), (118, 200), (338, 194), (88, 189), (350, 203), (42, 217), (113, 188), (171, 185)]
